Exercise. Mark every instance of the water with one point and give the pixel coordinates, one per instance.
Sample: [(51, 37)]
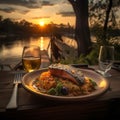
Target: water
[(11, 48)]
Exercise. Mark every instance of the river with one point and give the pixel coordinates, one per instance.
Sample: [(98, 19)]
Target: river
[(11, 48)]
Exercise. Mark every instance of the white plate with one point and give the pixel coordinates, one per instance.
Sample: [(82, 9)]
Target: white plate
[(102, 83)]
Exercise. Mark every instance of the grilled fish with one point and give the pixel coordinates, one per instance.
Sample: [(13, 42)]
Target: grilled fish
[(67, 71)]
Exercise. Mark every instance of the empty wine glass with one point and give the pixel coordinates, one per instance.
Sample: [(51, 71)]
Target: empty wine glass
[(105, 59), (31, 58)]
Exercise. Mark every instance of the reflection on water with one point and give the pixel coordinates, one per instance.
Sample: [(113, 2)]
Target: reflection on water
[(41, 43), (11, 50)]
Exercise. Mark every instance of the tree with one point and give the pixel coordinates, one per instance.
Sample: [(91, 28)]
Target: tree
[(102, 15), (82, 33), (109, 7)]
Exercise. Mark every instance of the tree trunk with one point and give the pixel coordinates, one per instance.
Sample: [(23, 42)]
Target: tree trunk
[(106, 21), (82, 33)]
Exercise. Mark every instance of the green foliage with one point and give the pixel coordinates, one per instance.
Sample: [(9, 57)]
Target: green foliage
[(117, 51), (91, 58), (113, 36)]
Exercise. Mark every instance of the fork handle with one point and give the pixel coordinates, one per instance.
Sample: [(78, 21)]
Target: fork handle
[(13, 100)]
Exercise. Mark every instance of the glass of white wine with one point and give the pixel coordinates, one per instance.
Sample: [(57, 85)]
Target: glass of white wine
[(105, 59), (31, 58)]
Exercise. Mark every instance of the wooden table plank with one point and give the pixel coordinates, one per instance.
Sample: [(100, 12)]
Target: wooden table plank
[(32, 106)]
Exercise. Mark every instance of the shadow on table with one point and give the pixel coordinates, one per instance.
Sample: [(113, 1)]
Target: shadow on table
[(8, 67)]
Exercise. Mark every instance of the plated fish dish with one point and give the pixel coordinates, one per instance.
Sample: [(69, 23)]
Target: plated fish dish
[(64, 80)]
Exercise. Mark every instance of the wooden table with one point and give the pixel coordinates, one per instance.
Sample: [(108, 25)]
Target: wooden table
[(33, 107)]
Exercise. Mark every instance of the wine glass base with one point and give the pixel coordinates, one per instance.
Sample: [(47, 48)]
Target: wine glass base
[(103, 73)]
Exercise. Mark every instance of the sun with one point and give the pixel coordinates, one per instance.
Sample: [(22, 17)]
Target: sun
[(42, 23)]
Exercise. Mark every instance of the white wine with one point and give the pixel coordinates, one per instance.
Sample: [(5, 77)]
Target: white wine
[(31, 63)]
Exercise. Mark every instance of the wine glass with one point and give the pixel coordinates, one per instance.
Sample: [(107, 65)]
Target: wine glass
[(31, 58), (105, 59)]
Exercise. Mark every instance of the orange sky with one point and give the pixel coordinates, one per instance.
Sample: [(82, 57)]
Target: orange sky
[(56, 11)]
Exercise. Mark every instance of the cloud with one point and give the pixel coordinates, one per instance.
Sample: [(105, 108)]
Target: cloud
[(66, 14), (9, 5), (7, 10), (13, 8), (25, 3), (40, 17), (46, 3), (23, 11)]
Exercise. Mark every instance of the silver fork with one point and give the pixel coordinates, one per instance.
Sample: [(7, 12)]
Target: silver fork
[(12, 104)]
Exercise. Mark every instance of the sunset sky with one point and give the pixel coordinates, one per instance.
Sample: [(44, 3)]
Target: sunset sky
[(56, 11)]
